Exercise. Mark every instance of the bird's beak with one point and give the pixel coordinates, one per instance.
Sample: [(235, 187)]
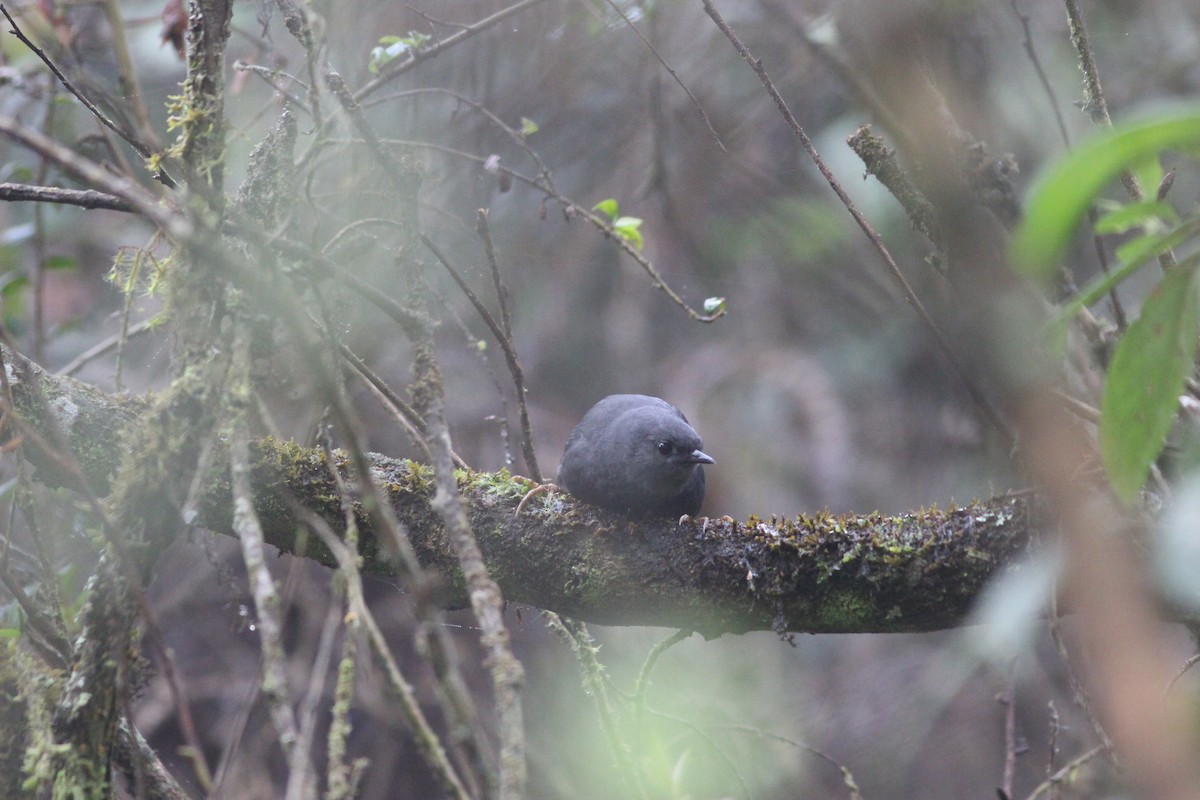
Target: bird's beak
[(697, 457)]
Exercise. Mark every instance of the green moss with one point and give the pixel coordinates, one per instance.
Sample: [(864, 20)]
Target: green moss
[(845, 610), (501, 483)]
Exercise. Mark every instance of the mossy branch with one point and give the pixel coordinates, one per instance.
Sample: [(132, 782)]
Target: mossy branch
[(822, 573)]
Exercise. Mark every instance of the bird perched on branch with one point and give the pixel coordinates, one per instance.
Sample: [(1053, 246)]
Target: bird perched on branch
[(636, 454)]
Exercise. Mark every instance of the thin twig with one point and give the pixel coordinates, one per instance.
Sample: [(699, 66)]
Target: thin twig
[(513, 133), (985, 405), (487, 601), (1064, 774), (249, 532), (360, 616), (705, 737), (1097, 106), (1052, 745), (405, 414), (643, 681), (92, 353), (96, 176), (132, 89), (142, 150), (84, 198), (1047, 87), (1077, 407), (268, 75), (1082, 700), (467, 737), (296, 20), (643, 678), (39, 239), (572, 209), (300, 776), (809, 31), (576, 636), (395, 69), (1101, 254), (49, 635), (432, 20), (1192, 660), (1009, 700), (667, 67), (514, 366), (352, 107), (847, 776)]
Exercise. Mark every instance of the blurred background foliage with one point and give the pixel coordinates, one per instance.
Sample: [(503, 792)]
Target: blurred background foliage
[(819, 388)]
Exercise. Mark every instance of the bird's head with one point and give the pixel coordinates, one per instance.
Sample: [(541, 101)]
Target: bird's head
[(664, 452)]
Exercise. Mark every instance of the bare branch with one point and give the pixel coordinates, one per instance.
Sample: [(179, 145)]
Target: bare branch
[(986, 406), (143, 150)]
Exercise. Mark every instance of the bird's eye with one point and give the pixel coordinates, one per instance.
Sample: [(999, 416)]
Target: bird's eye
[(665, 448)]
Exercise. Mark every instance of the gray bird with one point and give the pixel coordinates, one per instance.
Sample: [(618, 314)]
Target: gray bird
[(637, 454)]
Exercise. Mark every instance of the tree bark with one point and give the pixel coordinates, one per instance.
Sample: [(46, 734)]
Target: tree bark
[(823, 573)]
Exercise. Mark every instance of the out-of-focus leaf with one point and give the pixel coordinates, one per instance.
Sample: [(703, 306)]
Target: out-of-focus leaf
[(1132, 255), (1010, 612), (1149, 214), (528, 127), (392, 47), (1148, 172), (1062, 196), (1140, 250), (1176, 554), (610, 207), (17, 233), (12, 298), (1145, 378), (627, 229), (60, 262)]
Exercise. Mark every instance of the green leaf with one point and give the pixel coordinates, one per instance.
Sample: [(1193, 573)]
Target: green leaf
[(415, 39), (392, 47), (627, 229), (60, 262), (1145, 378), (1132, 255), (528, 127), (13, 299), (1143, 248), (610, 207), (1062, 196), (1148, 214), (1149, 173), (9, 633)]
